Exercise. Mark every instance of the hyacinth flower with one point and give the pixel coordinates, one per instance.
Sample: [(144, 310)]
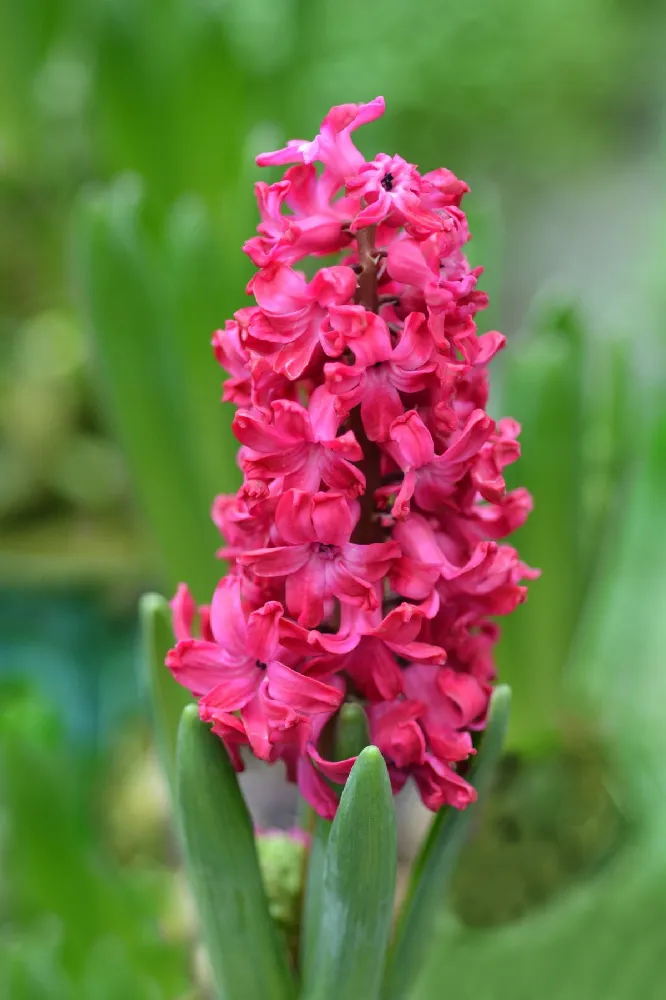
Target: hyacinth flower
[(363, 409), (366, 561)]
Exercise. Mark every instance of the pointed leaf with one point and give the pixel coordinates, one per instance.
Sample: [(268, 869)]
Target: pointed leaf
[(351, 736), (167, 698), (358, 887), (246, 956), (313, 897), (431, 877)]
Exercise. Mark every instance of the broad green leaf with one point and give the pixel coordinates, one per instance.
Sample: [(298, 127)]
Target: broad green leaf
[(358, 887), (431, 876), (351, 736), (167, 697), (246, 956), (313, 897)]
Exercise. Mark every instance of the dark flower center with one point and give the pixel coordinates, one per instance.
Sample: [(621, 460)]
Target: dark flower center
[(260, 664), (387, 182), (326, 551)]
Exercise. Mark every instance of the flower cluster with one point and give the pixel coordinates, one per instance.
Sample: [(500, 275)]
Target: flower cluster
[(364, 545)]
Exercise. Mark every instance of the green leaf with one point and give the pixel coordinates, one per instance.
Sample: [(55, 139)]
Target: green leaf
[(352, 735), (167, 697), (358, 887), (352, 732), (246, 956), (431, 876), (544, 390), (313, 897), (120, 288)]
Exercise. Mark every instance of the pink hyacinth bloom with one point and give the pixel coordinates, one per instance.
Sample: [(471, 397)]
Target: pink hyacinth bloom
[(314, 226), (319, 561), (431, 478), (300, 446), (333, 146), (238, 671), (287, 327), (391, 188), (366, 545), (380, 372)]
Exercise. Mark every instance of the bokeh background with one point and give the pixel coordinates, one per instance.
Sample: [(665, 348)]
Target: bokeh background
[(127, 135)]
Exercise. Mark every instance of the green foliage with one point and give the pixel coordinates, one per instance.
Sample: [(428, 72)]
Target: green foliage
[(163, 397), (167, 698), (433, 869), (66, 908), (358, 885), (282, 860), (246, 956), (601, 939)]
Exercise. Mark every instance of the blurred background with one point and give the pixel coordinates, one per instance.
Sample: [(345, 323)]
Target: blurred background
[(127, 135)]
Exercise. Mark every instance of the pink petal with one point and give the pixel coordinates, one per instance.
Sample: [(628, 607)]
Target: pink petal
[(315, 789), (405, 262), (231, 693), (293, 517), (380, 406), (263, 628), (401, 505), (439, 785), (196, 664), (332, 518), (374, 670), (279, 290), (183, 610), (306, 592), (292, 422), (303, 694), (340, 475), (227, 619), (349, 588), (254, 431), (279, 561), (415, 446), (474, 434), (371, 562), (333, 286), (335, 770), (323, 414)]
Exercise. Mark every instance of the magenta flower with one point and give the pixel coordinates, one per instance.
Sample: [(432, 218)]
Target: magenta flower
[(365, 546), (300, 446), (319, 562), (380, 372)]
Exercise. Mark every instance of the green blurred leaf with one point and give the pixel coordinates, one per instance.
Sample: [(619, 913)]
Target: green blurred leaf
[(352, 733), (602, 940), (358, 887), (125, 304), (434, 867), (63, 897), (245, 953), (543, 390), (167, 697)]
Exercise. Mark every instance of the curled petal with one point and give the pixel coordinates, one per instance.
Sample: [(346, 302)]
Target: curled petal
[(183, 611)]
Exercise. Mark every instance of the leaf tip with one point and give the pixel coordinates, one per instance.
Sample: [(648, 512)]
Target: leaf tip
[(190, 716), (152, 604)]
